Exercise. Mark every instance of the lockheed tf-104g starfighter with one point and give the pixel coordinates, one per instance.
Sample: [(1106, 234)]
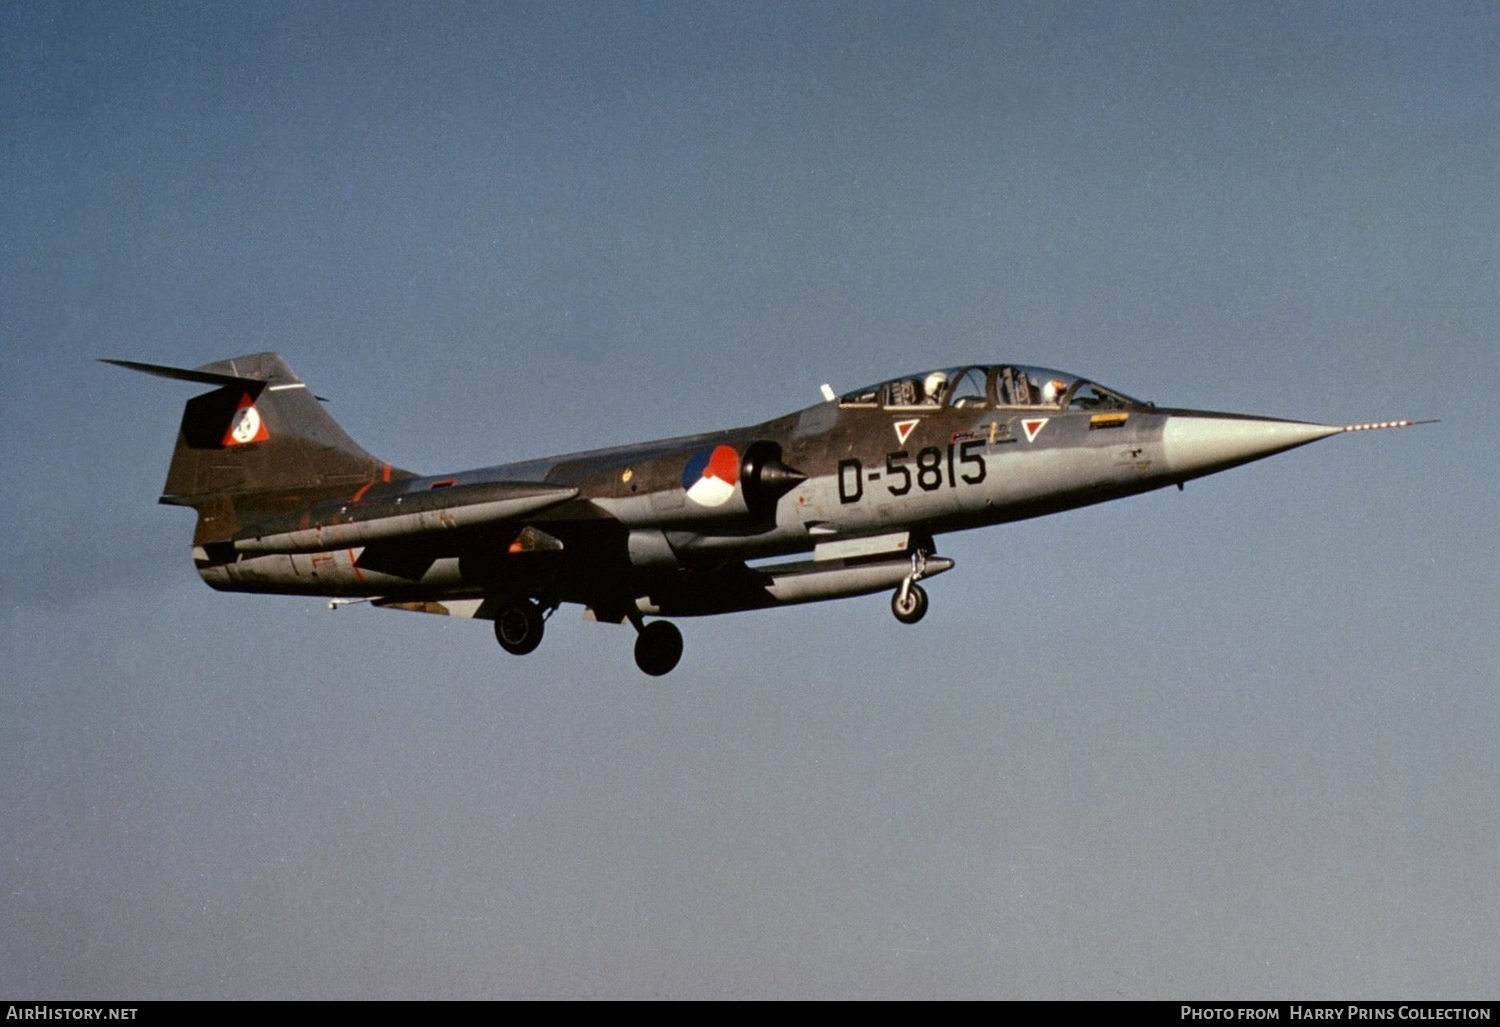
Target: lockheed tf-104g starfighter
[(858, 486)]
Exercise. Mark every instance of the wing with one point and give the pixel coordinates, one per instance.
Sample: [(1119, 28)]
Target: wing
[(346, 524)]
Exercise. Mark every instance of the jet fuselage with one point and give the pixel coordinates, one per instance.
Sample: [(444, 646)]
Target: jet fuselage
[(862, 482)]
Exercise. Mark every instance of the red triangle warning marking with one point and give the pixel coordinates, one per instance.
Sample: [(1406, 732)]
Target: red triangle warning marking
[(1034, 427), (246, 426), (903, 429)]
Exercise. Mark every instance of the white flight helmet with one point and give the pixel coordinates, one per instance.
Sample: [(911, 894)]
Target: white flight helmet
[(934, 384)]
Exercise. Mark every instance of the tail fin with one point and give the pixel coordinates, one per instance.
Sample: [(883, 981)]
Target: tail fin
[(260, 443)]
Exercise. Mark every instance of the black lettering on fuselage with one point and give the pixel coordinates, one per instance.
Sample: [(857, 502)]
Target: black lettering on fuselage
[(851, 481), (962, 461)]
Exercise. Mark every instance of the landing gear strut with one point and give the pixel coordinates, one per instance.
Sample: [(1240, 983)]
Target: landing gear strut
[(909, 603), (518, 626), (658, 647)]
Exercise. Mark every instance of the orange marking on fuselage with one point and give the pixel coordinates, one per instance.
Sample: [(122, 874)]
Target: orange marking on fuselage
[(362, 490), (354, 566), (385, 473)]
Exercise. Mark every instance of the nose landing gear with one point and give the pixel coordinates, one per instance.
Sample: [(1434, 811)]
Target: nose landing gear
[(909, 603)]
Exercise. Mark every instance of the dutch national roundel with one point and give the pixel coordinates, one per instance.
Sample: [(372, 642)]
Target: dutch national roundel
[(710, 477), (246, 425)]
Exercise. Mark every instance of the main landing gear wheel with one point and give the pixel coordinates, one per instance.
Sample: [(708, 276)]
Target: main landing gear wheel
[(909, 604), (658, 647), (518, 627)]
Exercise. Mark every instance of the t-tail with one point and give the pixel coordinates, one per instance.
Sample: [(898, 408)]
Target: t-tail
[(259, 444)]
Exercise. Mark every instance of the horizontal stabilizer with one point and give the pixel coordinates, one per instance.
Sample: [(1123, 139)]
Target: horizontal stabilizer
[(184, 374), (342, 525)]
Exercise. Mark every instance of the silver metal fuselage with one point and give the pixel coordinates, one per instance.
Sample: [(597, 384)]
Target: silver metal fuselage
[(869, 472)]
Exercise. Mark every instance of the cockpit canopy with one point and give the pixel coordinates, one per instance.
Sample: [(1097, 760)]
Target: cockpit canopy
[(980, 387)]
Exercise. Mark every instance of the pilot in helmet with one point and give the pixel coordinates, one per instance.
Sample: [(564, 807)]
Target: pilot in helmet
[(934, 385), (1052, 392)]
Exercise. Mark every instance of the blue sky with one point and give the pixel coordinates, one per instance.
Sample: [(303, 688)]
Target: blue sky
[(1237, 741)]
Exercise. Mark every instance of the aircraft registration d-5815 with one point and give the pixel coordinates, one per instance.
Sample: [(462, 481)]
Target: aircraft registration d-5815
[(859, 486)]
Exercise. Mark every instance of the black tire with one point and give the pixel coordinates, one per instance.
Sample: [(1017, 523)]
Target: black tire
[(915, 607), (518, 627), (658, 648)]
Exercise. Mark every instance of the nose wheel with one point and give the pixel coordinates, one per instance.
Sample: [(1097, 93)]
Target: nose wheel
[(909, 603)]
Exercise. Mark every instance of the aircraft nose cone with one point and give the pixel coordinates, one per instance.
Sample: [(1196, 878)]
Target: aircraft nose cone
[(1198, 444)]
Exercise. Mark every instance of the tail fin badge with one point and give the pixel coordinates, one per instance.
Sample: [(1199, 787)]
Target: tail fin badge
[(246, 426)]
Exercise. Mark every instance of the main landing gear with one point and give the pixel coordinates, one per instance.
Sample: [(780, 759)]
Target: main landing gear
[(658, 647), (519, 625), (909, 603)]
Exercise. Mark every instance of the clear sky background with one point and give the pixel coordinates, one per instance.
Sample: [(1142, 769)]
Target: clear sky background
[(1235, 742)]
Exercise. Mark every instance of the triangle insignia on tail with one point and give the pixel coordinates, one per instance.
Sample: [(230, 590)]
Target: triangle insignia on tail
[(246, 426)]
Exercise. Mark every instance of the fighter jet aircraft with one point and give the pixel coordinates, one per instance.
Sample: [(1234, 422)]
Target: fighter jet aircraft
[(859, 486)]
